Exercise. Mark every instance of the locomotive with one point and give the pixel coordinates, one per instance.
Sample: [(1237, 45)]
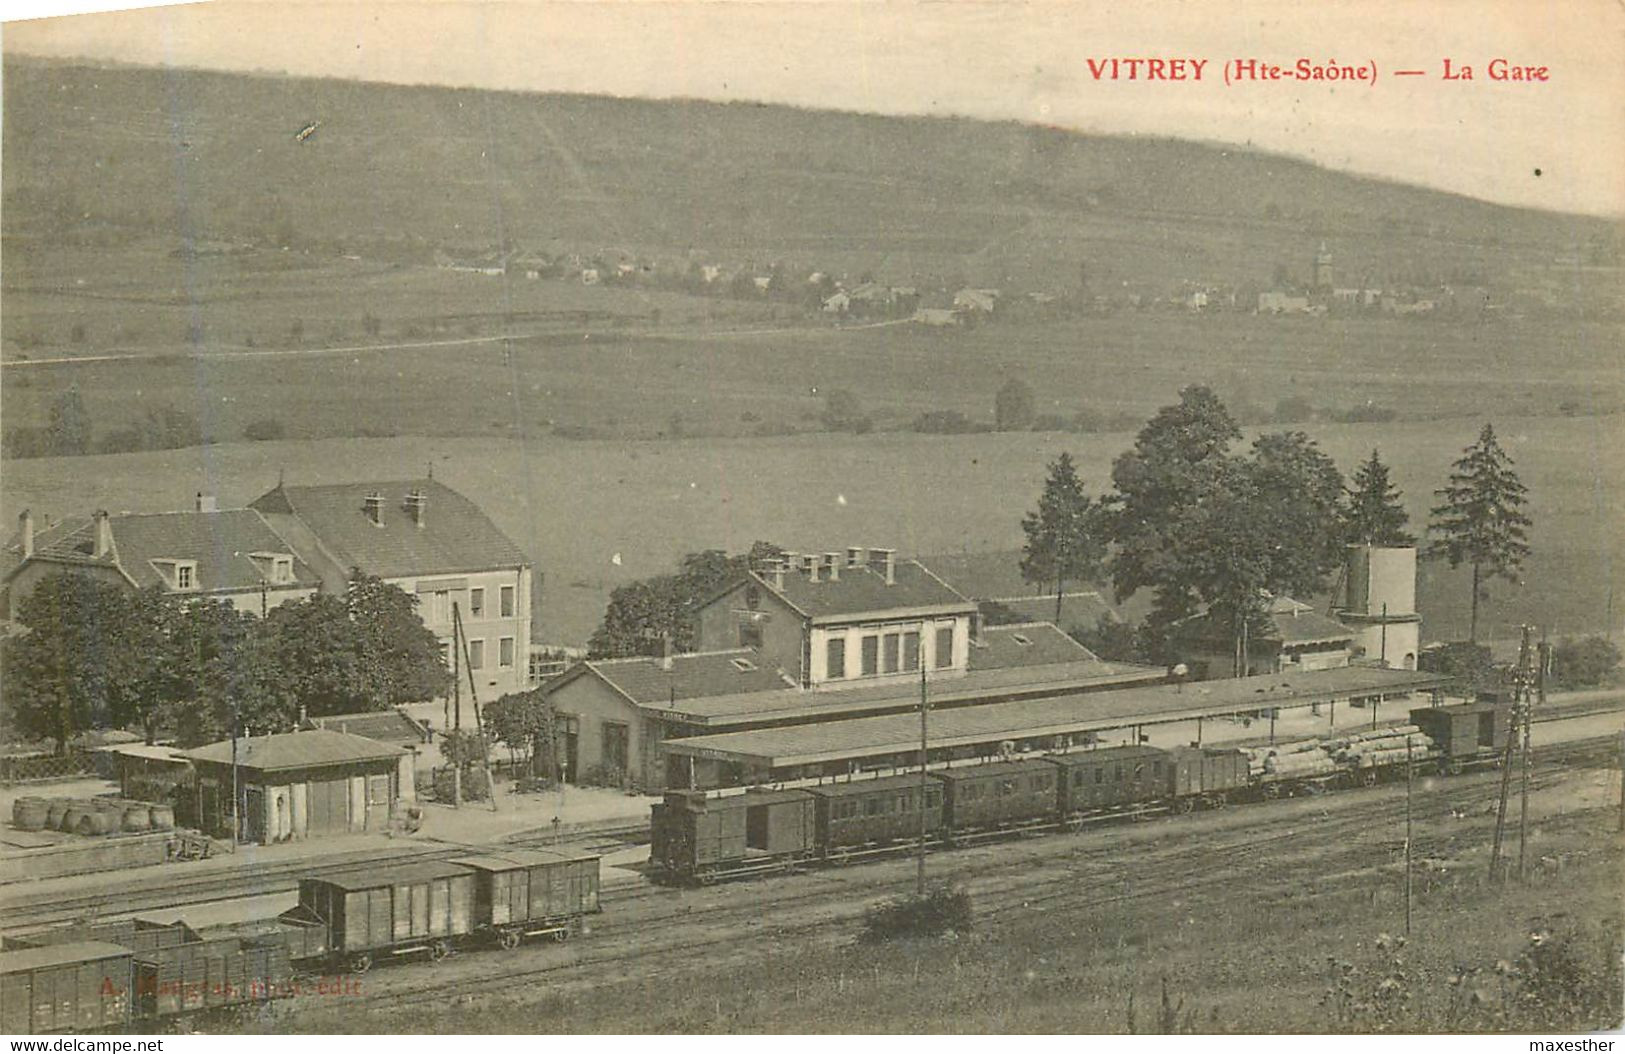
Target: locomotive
[(698, 839)]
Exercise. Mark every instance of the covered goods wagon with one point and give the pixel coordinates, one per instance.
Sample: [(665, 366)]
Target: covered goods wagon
[(80, 986), (531, 892), (391, 910)]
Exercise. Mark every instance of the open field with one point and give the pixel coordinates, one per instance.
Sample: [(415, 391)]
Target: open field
[(574, 505), (596, 362)]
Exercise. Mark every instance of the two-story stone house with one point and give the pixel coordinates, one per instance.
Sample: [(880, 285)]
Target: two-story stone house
[(434, 543)]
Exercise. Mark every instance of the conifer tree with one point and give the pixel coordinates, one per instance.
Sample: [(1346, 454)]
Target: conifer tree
[(1480, 521), (1374, 515)]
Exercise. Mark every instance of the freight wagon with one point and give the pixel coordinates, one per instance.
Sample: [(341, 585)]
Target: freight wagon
[(79, 986), (391, 911), (521, 893)]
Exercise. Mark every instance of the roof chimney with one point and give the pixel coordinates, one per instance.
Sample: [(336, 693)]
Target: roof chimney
[(775, 574), (417, 504), (884, 562), (207, 502), (373, 506), (856, 556), (25, 527), (833, 562), (104, 535), (809, 564)]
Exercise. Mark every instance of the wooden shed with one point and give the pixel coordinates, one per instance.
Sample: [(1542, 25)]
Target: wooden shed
[(297, 785)]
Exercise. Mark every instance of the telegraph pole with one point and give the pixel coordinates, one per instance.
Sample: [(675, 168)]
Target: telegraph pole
[(919, 878), (1410, 774), (1543, 658), (1521, 678), (456, 712)]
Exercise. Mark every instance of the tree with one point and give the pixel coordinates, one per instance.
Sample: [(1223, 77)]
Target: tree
[(69, 430), (1298, 506), (60, 676), (400, 657), (1374, 515), (642, 616), (1066, 534), (844, 413), (1013, 407), (524, 721), (1480, 520), (1176, 459), (1584, 663)]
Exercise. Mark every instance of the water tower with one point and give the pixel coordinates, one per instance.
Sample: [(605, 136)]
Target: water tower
[(1379, 605)]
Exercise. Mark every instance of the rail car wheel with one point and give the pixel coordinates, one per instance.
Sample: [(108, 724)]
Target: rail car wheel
[(1368, 778), (360, 963), (438, 950), (561, 935), (1184, 805), (1272, 790), (508, 940), (1218, 801), (1455, 767)]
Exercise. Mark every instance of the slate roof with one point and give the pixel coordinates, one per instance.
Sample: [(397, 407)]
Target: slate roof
[(977, 686), (692, 676), (860, 591), (456, 535), (1026, 644), (996, 576), (1291, 622), (1055, 715), (296, 750), (220, 543), (386, 726)]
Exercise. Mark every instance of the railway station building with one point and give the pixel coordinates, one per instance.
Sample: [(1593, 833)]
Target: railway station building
[(1244, 708), (813, 639)]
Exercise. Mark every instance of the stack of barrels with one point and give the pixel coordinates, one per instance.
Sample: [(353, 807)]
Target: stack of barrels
[(91, 816)]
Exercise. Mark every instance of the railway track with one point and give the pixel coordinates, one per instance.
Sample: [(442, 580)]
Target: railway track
[(26, 914), (1236, 855)]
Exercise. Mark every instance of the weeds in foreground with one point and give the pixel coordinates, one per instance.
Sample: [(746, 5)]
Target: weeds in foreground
[(939, 912)]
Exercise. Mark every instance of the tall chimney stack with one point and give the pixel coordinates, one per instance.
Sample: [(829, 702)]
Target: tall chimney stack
[(775, 574), (373, 505), (833, 562), (856, 556), (417, 504), (883, 562), (25, 527), (104, 535)]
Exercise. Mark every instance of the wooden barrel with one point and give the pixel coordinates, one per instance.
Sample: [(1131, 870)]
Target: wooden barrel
[(163, 818), (73, 816), (54, 810), (97, 822), (137, 817), (30, 814)]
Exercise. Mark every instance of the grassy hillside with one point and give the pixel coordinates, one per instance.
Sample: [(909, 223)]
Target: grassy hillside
[(214, 155)]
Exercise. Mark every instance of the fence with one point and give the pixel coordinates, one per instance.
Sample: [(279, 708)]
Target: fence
[(35, 768)]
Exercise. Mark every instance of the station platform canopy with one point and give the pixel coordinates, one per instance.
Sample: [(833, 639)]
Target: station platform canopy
[(866, 737)]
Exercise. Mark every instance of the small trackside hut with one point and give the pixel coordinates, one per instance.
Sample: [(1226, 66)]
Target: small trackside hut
[(399, 910), (521, 893)]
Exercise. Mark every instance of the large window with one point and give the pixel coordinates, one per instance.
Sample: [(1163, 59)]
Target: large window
[(889, 655), (476, 653), (505, 653), (507, 601), (476, 603), (835, 666), (945, 647), (871, 656), (911, 651)]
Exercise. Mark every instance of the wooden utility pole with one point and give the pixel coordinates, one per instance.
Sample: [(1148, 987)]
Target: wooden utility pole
[(919, 878), (474, 698), (456, 713), (1543, 656), (1622, 783), (1520, 689), (1410, 778)]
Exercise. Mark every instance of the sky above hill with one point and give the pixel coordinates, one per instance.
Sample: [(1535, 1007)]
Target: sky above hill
[(1557, 143)]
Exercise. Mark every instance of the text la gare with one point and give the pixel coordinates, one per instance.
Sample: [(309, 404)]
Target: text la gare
[(1497, 70)]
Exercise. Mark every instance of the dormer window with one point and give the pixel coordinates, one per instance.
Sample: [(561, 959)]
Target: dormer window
[(743, 665), (275, 568), (179, 575), (1019, 639)]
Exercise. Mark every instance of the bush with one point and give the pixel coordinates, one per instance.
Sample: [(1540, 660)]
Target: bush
[(1584, 663), (1365, 413), (475, 785), (1470, 664), (266, 428), (945, 422), (938, 912)]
